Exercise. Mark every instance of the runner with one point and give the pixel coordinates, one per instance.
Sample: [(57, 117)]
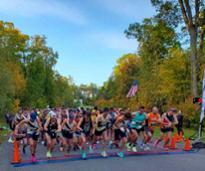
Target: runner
[(62, 115), (33, 129), (110, 131), (51, 127), (22, 115), (43, 118), (120, 131), (168, 121), (100, 131), (68, 129), (87, 127), (153, 120), (137, 128), (80, 136)]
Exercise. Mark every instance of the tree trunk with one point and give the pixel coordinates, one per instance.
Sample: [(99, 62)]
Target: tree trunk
[(193, 60)]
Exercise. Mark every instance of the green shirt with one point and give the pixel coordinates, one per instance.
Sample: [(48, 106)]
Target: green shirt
[(138, 120)]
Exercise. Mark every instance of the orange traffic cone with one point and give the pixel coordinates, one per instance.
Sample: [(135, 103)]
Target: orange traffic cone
[(180, 139), (16, 154), (173, 143), (176, 137), (187, 146)]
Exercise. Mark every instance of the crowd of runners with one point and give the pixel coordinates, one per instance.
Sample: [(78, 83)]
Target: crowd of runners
[(81, 129)]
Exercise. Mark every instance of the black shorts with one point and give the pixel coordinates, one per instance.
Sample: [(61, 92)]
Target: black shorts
[(52, 134), (21, 137), (67, 134), (87, 133), (166, 130), (33, 135), (119, 134), (138, 130), (99, 133), (150, 130)]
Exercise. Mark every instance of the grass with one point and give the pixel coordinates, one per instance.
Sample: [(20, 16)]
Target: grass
[(3, 132), (188, 132)]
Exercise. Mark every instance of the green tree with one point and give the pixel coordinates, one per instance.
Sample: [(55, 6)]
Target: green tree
[(192, 15), (38, 63)]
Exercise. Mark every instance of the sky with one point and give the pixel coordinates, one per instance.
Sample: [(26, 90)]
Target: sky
[(87, 34)]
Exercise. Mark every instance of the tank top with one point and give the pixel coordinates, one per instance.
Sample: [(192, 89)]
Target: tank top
[(32, 127), (52, 126)]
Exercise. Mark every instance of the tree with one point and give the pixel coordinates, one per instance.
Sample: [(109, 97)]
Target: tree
[(114, 91), (38, 66), (12, 43), (155, 38), (192, 13)]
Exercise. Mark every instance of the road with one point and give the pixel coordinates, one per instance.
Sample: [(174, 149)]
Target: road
[(178, 162)]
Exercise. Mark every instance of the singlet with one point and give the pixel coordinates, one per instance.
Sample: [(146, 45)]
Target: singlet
[(165, 122), (102, 123), (32, 127), (138, 120), (68, 126), (18, 118), (86, 125), (152, 118), (52, 126)]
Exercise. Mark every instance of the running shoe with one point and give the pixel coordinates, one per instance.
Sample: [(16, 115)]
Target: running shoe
[(120, 154), (166, 147), (104, 154), (155, 144), (146, 148), (84, 155), (61, 149), (94, 146), (128, 146), (134, 149), (142, 146), (90, 149), (110, 145), (48, 154), (10, 140), (33, 158)]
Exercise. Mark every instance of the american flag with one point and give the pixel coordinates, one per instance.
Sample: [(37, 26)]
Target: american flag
[(133, 89)]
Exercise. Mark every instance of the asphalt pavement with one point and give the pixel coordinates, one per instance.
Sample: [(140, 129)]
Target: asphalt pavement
[(173, 162)]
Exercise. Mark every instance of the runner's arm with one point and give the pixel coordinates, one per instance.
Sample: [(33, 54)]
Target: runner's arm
[(59, 125), (79, 124), (46, 124)]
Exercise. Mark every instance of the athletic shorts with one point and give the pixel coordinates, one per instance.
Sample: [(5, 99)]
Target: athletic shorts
[(67, 134), (33, 135), (138, 130), (151, 130), (99, 133), (20, 137), (119, 134), (87, 133), (166, 130), (78, 134), (52, 134)]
